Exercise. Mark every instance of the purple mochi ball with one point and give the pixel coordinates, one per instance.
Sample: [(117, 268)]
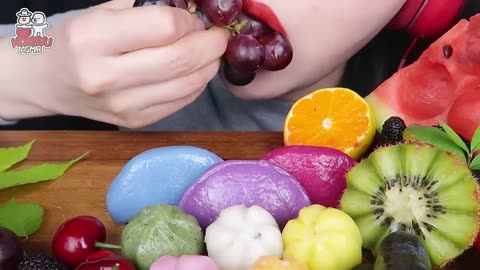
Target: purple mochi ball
[(247, 182)]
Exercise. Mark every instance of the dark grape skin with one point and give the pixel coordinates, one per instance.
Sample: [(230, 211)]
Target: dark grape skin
[(221, 12), (11, 250), (245, 53), (278, 52), (236, 77), (140, 3), (253, 26), (255, 46)]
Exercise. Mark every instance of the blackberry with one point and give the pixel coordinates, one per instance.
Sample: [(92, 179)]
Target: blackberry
[(392, 130), (40, 262)]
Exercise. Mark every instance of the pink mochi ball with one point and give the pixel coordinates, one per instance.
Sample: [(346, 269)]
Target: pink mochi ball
[(185, 262), (320, 170)]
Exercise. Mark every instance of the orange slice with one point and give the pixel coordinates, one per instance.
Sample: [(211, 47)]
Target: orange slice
[(332, 117)]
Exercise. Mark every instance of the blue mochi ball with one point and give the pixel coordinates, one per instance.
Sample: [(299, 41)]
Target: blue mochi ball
[(156, 176)]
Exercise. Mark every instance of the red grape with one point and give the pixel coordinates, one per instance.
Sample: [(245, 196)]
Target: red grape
[(221, 12), (139, 3), (245, 53), (11, 250), (254, 45), (278, 52), (253, 26), (236, 77)]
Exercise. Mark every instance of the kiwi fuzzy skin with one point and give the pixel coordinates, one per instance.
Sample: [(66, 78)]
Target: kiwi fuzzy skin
[(457, 162), (476, 196)]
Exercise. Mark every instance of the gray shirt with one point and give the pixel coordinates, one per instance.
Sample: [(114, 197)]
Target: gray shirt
[(217, 109)]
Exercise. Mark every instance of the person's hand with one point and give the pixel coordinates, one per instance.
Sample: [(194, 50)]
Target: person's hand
[(117, 64)]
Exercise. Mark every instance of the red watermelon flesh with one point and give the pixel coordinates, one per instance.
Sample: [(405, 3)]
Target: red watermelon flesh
[(425, 91), (464, 114)]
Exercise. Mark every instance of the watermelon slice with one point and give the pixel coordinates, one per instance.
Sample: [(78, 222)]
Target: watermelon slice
[(442, 85)]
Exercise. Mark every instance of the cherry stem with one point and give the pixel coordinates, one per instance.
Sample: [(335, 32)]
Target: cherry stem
[(407, 53), (116, 266), (107, 246)]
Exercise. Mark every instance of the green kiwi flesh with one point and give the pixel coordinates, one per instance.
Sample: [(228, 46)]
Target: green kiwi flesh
[(402, 251), (417, 188)]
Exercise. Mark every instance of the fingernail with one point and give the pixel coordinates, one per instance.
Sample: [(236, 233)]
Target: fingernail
[(201, 16)]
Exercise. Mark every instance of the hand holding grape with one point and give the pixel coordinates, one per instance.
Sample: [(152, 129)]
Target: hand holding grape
[(254, 44), (117, 64)]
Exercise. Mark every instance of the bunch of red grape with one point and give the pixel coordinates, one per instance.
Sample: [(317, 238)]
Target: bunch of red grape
[(253, 45)]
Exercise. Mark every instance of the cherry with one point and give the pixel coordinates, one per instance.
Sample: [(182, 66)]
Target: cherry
[(105, 260), (98, 255), (79, 237)]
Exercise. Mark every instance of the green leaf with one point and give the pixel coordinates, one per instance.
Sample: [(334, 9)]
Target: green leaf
[(475, 164), (454, 136), (21, 218), (42, 172), (10, 156), (475, 143), (433, 136)]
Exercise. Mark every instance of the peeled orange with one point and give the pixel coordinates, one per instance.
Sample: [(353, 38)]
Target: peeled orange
[(331, 117)]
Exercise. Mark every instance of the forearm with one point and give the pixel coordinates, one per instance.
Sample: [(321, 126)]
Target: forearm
[(17, 89), (17, 77)]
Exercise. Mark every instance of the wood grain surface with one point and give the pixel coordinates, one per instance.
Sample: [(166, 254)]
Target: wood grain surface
[(82, 190)]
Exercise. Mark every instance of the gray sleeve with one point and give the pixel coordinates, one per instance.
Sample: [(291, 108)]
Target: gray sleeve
[(6, 123), (218, 110), (8, 30)]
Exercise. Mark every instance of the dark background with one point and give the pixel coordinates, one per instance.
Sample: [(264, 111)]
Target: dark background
[(8, 8), (366, 70)]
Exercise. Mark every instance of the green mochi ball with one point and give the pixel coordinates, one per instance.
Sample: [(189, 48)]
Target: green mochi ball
[(160, 230)]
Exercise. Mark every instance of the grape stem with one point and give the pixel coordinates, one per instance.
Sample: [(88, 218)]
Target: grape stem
[(235, 27), (191, 7)]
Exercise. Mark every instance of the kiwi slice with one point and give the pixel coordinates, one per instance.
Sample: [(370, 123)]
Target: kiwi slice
[(417, 188)]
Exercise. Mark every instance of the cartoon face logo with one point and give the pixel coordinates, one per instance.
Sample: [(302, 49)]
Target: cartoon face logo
[(23, 20), (38, 18), (23, 16)]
